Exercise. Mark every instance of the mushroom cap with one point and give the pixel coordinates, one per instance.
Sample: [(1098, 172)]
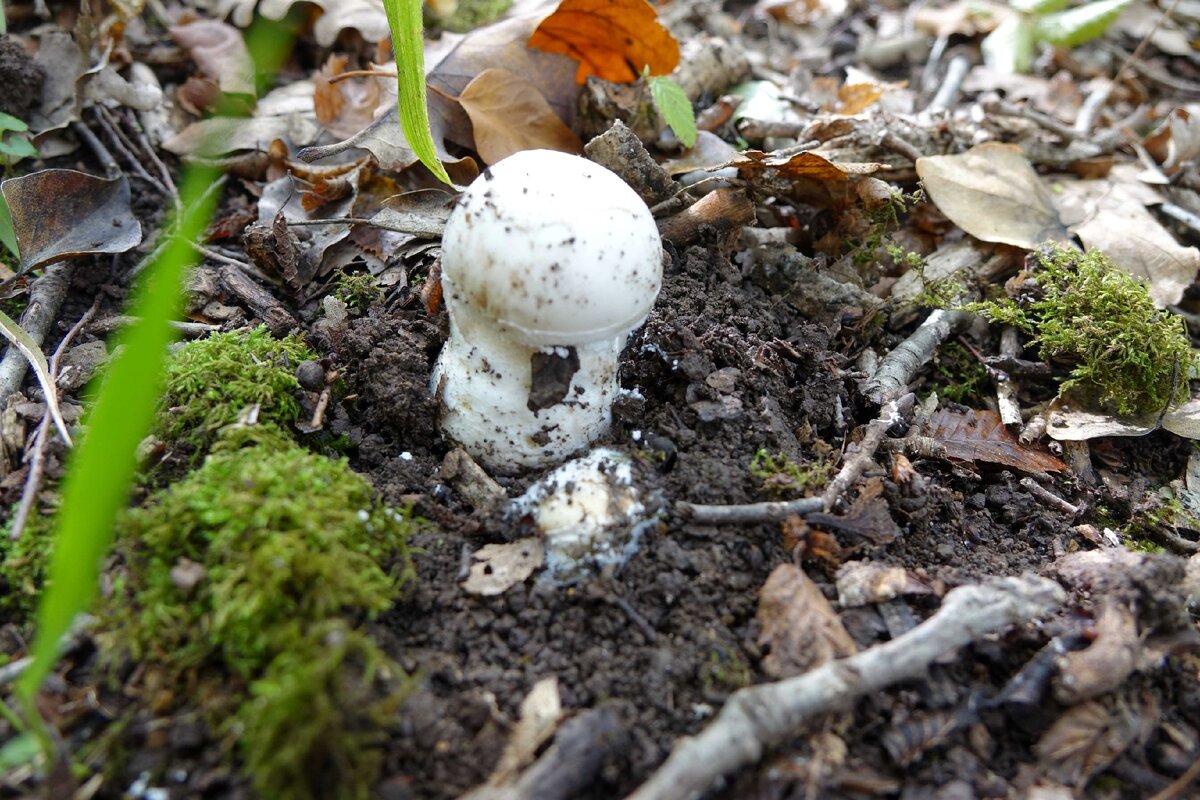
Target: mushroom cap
[(554, 249)]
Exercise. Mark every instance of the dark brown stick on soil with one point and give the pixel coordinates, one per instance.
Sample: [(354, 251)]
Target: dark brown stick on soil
[(749, 513), (891, 413), (900, 366), (45, 296), (277, 318), (762, 716), (722, 211)]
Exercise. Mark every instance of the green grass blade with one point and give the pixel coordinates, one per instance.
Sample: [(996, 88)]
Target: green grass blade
[(408, 42), (1076, 26), (97, 484)]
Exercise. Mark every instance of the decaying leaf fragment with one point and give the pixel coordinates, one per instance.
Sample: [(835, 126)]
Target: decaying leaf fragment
[(611, 39), (498, 567), (61, 213), (1086, 739), (800, 629), (982, 436), (1106, 663), (808, 178), (862, 582), (993, 193)]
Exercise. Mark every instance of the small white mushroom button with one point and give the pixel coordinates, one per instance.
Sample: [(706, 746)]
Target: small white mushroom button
[(548, 262)]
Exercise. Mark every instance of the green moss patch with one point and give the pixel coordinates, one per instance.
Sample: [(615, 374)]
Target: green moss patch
[(210, 382), (1128, 355), (255, 570)]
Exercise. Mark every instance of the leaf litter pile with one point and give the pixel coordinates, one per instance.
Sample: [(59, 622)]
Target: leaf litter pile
[(913, 414)]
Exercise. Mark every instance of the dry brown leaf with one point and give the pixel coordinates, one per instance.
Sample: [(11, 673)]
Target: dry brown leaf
[(799, 628), (60, 213), (347, 106), (982, 436), (611, 39), (220, 52), (807, 177), (453, 62), (1113, 218), (1085, 740), (498, 567), (285, 113), (509, 115), (860, 583), (993, 193)]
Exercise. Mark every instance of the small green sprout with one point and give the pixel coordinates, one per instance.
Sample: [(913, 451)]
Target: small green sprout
[(1010, 47), (1128, 355), (358, 290), (781, 476)]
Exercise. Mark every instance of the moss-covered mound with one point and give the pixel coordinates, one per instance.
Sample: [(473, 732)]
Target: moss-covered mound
[(1128, 355), (255, 572)]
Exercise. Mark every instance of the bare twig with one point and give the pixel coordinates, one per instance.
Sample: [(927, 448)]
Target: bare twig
[(891, 413), (1180, 785), (758, 717), (1006, 387), (46, 294), (125, 147), (1048, 497), (900, 366), (748, 513), (947, 95), (107, 162), (37, 451), (191, 330)]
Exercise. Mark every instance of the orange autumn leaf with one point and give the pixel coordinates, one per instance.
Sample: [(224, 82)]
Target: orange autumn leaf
[(611, 39)]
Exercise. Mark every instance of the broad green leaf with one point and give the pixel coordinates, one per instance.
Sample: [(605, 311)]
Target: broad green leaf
[(1038, 6), (33, 354), (15, 148), (10, 123), (408, 42), (675, 108), (19, 751), (1078, 25), (1009, 48)]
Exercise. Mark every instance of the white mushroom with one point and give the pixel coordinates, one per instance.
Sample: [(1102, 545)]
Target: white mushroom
[(548, 262)]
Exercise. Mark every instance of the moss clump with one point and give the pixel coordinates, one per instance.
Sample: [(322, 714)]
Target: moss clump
[(782, 476), (1129, 356), (22, 568), (209, 383), (961, 378), (256, 567), (359, 291)]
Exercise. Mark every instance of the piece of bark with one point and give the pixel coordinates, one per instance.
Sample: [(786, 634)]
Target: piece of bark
[(620, 150), (720, 211), (277, 318)]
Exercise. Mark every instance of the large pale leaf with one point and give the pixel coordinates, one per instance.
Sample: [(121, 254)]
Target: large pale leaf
[(982, 436), (61, 213), (509, 115), (993, 193)]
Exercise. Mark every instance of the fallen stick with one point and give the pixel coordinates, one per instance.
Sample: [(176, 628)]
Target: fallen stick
[(46, 294), (748, 513), (900, 366), (891, 413), (762, 716)]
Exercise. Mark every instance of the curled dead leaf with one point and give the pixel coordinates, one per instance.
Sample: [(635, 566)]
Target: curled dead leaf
[(799, 627)]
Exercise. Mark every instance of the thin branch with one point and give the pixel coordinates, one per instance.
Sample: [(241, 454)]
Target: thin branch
[(899, 367), (891, 413), (748, 513), (760, 717), (46, 294)]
